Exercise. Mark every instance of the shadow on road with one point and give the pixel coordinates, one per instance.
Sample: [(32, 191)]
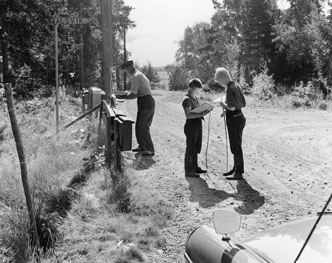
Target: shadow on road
[(142, 162), (251, 199), (201, 193)]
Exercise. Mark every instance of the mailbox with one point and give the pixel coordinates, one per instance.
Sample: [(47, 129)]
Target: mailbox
[(125, 133), (94, 97)]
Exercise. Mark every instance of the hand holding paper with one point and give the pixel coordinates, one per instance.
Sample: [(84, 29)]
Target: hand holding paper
[(205, 107)]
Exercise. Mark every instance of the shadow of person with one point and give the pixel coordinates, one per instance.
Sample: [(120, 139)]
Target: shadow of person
[(251, 199), (205, 196), (143, 162)]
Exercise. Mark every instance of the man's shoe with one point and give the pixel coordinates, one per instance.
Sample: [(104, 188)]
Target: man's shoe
[(235, 177), (199, 170), (228, 173), (136, 150), (192, 175), (147, 153)]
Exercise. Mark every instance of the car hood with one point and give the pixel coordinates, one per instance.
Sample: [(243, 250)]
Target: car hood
[(282, 244)]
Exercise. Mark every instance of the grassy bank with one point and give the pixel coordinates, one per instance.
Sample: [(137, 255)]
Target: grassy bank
[(82, 215), (52, 160)]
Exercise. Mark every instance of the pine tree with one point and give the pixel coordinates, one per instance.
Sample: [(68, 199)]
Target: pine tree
[(257, 44)]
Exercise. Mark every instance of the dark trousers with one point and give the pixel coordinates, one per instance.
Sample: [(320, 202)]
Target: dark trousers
[(145, 112), (193, 132), (235, 124)]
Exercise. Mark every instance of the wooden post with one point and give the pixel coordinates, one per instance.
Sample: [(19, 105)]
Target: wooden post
[(23, 165), (99, 124), (118, 165), (124, 58), (81, 53), (107, 32), (81, 59), (108, 157), (56, 79), (4, 42)]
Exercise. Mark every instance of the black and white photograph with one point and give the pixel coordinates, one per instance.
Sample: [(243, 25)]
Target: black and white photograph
[(165, 131)]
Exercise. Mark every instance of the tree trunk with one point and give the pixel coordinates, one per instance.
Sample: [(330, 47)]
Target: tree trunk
[(23, 165)]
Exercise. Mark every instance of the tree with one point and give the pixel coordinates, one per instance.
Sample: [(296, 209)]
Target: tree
[(178, 77), (151, 73), (257, 45)]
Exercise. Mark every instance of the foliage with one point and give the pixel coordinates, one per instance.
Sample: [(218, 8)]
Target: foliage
[(151, 73), (178, 78), (263, 84), (257, 35), (30, 38), (295, 44), (309, 91)]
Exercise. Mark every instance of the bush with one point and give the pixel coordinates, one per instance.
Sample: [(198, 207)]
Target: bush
[(119, 195), (263, 84), (25, 84), (14, 235), (177, 77), (297, 103), (323, 106), (151, 73)]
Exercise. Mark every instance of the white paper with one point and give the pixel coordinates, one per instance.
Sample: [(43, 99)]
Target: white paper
[(205, 106)]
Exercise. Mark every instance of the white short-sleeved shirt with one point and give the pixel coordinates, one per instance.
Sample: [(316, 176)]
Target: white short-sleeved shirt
[(140, 85)]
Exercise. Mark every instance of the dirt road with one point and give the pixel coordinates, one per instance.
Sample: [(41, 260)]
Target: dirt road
[(288, 174)]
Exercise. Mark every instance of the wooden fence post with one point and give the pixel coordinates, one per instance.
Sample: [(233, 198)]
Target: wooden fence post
[(23, 165)]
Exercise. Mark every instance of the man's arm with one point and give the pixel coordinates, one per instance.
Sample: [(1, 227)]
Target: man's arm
[(127, 96), (134, 85), (225, 106)]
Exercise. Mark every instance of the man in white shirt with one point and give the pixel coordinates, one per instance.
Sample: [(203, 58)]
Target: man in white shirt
[(141, 89)]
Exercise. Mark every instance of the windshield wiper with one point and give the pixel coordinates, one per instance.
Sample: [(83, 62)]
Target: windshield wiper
[(313, 229)]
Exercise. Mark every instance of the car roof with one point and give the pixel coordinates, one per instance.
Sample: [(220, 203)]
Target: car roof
[(282, 244)]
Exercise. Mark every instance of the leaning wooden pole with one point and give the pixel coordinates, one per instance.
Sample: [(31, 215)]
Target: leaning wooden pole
[(23, 165)]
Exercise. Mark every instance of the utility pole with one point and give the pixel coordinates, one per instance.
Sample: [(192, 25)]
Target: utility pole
[(3, 35), (107, 31), (81, 54), (124, 58), (81, 59)]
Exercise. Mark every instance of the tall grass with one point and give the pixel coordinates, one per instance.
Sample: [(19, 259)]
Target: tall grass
[(52, 161)]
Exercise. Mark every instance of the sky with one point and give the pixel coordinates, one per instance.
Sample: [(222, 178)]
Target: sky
[(160, 27)]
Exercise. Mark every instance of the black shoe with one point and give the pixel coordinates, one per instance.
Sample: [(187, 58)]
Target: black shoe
[(136, 150), (192, 175), (235, 177), (147, 153), (199, 170), (228, 173)]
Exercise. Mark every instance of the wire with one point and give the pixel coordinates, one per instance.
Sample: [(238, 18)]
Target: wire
[(207, 143), (207, 149), (226, 136)]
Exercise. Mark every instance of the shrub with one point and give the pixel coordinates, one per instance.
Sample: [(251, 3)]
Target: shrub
[(263, 84), (323, 106), (177, 77), (119, 194), (61, 202), (14, 235), (297, 103), (151, 73), (307, 91), (47, 228), (25, 84)]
